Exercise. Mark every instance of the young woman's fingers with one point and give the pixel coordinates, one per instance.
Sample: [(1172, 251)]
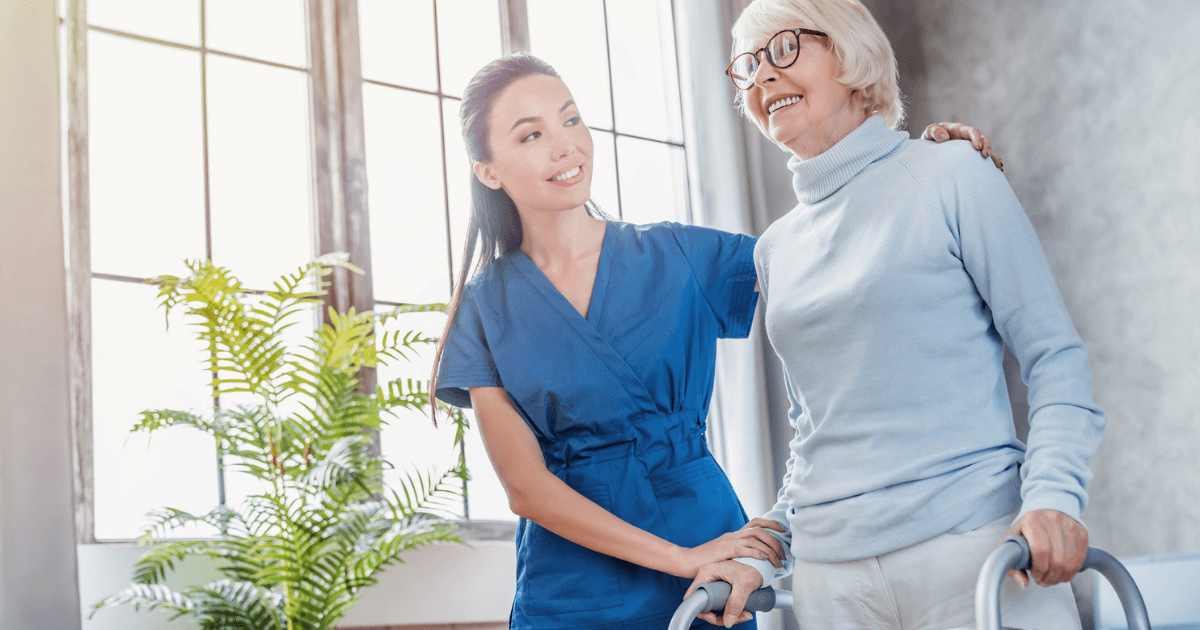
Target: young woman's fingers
[(716, 620), (774, 543), (765, 523), (937, 132), (1020, 577), (760, 550)]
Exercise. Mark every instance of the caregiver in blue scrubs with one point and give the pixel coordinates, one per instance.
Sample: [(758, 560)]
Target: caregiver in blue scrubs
[(587, 349)]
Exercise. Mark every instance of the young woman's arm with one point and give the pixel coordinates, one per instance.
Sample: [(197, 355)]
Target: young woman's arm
[(536, 494)]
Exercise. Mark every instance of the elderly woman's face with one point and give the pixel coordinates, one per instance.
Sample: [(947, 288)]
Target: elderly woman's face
[(803, 106)]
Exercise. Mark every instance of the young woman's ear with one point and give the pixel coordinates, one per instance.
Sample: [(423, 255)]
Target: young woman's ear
[(486, 175)]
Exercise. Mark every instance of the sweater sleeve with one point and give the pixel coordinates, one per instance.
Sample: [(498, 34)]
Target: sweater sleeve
[(1000, 251)]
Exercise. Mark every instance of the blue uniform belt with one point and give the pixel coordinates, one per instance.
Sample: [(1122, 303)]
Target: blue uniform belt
[(642, 436)]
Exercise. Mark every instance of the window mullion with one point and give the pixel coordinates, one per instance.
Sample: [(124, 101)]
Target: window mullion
[(612, 103), (339, 159), (338, 144), (76, 220), (514, 26)]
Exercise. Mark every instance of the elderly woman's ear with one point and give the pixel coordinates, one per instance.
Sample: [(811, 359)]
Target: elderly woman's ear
[(946, 131)]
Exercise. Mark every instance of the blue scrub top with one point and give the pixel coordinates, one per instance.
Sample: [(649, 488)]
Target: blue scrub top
[(617, 401)]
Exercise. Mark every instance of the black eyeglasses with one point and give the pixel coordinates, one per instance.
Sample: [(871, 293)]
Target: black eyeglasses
[(782, 50)]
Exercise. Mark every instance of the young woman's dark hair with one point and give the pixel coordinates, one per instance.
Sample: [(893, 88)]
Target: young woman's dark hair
[(494, 226)]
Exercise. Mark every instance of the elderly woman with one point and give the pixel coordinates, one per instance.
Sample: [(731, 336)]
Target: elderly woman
[(890, 291)]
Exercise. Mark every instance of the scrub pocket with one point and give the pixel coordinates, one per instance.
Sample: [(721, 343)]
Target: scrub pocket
[(557, 576), (697, 502)]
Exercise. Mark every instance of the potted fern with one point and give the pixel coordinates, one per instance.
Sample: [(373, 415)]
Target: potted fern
[(295, 556)]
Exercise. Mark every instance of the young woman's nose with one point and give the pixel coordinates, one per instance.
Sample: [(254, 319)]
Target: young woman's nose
[(561, 145)]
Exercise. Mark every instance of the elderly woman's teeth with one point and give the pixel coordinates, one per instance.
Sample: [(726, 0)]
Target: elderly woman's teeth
[(783, 103), (568, 175)]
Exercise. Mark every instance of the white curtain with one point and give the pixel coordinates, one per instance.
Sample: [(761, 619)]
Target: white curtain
[(723, 197), (38, 584), (731, 190)]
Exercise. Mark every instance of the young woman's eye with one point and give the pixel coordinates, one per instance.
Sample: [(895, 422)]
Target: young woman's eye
[(533, 136), (574, 120)]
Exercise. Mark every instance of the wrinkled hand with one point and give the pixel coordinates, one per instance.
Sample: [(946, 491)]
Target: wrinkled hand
[(1057, 546), (751, 541), (945, 131), (743, 578)]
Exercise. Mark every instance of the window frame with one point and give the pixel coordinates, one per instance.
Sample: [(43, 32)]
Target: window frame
[(338, 196)]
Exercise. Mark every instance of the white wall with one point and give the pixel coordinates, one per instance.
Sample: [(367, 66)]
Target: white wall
[(37, 536), (437, 585)]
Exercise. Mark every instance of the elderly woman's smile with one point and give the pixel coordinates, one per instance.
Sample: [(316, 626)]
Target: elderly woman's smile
[(783, 101)]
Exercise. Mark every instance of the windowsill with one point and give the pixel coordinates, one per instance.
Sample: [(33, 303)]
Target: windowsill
[(441, 584), (469, 531)]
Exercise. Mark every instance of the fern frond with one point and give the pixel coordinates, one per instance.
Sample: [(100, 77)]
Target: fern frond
[(384, 316), (401, 394), (241, 605), (152, 568), (162, 521), (157, 419), (150, 597)]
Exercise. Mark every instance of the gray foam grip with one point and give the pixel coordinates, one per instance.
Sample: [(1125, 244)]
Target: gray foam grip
[(761, 600)]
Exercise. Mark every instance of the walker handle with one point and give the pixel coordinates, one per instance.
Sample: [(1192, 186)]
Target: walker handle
[(761, 600), (1013, 554), (711, 596)]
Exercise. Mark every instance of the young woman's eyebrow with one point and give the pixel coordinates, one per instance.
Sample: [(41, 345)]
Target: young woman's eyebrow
[(529, 119)]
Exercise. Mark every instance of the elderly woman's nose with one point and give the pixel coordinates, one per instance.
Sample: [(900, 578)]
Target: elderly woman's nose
[(766, 73)]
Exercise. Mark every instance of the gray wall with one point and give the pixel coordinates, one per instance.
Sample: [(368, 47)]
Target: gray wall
[(1092, 105), (38, 584)]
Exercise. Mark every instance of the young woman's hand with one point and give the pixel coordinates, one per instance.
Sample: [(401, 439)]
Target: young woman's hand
[(751, 541), (743, 578), (946, 131)]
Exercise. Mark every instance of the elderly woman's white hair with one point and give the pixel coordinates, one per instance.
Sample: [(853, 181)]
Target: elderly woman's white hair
[(867, 61)]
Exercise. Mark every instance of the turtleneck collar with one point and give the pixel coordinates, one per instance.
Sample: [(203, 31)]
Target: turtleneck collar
[(820, 176)]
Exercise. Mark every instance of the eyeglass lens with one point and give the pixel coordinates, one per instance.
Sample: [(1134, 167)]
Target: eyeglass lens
[(781, 53)]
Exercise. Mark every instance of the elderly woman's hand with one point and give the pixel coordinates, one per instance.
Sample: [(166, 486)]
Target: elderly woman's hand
[(944, 131), (1057, 546)]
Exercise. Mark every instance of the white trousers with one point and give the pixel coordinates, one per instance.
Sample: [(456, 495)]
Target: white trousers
[(928, 586)]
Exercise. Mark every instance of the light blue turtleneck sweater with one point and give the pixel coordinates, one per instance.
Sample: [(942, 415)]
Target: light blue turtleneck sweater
[(890, 291)]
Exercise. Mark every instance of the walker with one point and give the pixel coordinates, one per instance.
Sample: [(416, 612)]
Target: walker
[(1012, 554)]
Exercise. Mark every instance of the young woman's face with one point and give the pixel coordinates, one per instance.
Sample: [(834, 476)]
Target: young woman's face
[(821, 106), (541, 150)]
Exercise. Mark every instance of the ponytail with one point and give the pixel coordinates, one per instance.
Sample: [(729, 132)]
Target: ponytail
[(495, 229)]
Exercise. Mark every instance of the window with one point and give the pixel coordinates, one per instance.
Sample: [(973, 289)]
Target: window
[(196, 145), (197, 135)]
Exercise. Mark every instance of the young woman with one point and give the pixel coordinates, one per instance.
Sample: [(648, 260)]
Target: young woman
[(587, 349)]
